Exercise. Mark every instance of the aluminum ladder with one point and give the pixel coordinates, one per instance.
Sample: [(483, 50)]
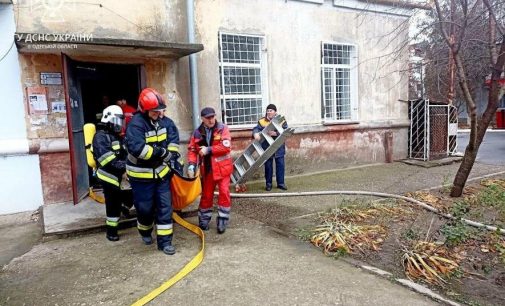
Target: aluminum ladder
[(255, 156)]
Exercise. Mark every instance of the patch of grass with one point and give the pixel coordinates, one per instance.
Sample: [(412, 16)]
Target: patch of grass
[(492, 195), (446, 184), (500, 248), (410, 234), (456, 232), (339, 253), (303, 234), (464, 300), (487, 269), (459, 209)]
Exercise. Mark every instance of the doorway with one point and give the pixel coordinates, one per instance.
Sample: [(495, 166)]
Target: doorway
[(90, 87)]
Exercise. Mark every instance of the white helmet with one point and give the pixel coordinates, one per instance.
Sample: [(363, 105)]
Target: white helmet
[(114, 115)]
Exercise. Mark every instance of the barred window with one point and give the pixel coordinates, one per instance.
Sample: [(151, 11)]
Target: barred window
[(339, 82), (241, 78)]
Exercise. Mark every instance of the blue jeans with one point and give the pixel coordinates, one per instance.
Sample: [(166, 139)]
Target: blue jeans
[(279, 171)]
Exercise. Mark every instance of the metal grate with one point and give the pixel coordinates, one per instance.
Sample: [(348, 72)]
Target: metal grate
[(418, 144), (453, 129), (433, 130), (438, 128), (240, 72)]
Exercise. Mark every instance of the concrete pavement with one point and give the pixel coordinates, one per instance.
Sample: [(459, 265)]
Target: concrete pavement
[(250, 264)]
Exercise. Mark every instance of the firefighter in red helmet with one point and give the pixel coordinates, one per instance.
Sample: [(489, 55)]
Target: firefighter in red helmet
[(152, 141)]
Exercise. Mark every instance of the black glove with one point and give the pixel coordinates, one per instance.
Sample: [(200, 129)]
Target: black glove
[(174, 156), (164, 153), (175, 163)]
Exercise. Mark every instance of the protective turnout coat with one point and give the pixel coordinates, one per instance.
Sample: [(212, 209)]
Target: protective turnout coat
[(145, 141), (110, 156)]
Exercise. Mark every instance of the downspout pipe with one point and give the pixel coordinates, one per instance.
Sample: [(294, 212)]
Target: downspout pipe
[(193, 69)]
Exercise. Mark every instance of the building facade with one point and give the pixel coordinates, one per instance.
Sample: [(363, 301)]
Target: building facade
[(335, 69)]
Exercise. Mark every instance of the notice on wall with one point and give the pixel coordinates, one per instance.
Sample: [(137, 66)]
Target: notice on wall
[(58, 107), (50, 78), (37, 100)]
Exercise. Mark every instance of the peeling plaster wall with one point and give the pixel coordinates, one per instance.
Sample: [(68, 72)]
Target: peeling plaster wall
[(51, 125), (333, 147), (127, 19), (55, 167), (294, 32)]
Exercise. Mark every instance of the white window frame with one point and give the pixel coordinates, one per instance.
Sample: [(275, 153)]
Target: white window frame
[(263, 74), (353, 82)]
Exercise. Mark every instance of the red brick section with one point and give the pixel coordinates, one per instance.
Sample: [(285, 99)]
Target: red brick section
[(56, 177)]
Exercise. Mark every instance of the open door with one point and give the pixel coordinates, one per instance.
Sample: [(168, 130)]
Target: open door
[(75, 123)]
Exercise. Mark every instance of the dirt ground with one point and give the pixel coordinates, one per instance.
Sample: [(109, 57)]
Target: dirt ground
[(480, 277), (253, 263)]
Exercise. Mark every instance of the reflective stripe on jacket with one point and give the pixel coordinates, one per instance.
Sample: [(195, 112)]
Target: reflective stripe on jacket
[(219, 161), (144, 141), (110, 156)]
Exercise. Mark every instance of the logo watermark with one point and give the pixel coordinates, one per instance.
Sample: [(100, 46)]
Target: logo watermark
[(53, 40), (51, 10)]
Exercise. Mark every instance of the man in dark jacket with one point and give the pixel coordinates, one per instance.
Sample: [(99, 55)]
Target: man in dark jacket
[(152, 141), (279, 154)]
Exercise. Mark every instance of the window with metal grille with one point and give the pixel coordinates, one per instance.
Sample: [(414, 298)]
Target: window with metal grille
[(241, 78), (339, 82)]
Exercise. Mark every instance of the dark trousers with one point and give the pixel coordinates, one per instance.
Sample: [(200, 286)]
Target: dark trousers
[(153, 202), (113, 199), (279, 170)]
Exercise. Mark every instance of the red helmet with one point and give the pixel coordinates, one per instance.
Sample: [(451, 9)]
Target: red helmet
[(150, 100)]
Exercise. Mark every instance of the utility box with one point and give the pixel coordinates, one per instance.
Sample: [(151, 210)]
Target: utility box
[(500, 118), (433, 129)]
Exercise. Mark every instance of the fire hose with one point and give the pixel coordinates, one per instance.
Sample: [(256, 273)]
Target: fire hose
[(195, 229)]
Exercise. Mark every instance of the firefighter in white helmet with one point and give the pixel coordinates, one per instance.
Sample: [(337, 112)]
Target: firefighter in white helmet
[(110, 157)]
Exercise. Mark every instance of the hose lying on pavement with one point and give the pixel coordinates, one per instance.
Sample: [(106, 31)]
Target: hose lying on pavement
[(366, 193), (190, 266)]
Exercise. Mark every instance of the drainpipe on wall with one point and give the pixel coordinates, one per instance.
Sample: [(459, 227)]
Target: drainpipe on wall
[(193, 72)]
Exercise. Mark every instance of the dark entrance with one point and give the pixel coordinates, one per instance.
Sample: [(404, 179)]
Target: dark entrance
[(90, 87)]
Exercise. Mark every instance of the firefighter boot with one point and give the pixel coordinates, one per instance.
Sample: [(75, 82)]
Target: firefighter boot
[(167, 247), (222, 223), (148, 240), (112, 233)]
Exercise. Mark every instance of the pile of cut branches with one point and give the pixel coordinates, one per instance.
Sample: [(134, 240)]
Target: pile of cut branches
[(353, 214), (430, 261), (339, 237), (339, 232)]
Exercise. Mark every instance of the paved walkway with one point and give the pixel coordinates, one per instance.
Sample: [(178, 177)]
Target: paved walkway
[(250, 264)]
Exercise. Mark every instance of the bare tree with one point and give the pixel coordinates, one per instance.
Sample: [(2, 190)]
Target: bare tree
[(469, 26)]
